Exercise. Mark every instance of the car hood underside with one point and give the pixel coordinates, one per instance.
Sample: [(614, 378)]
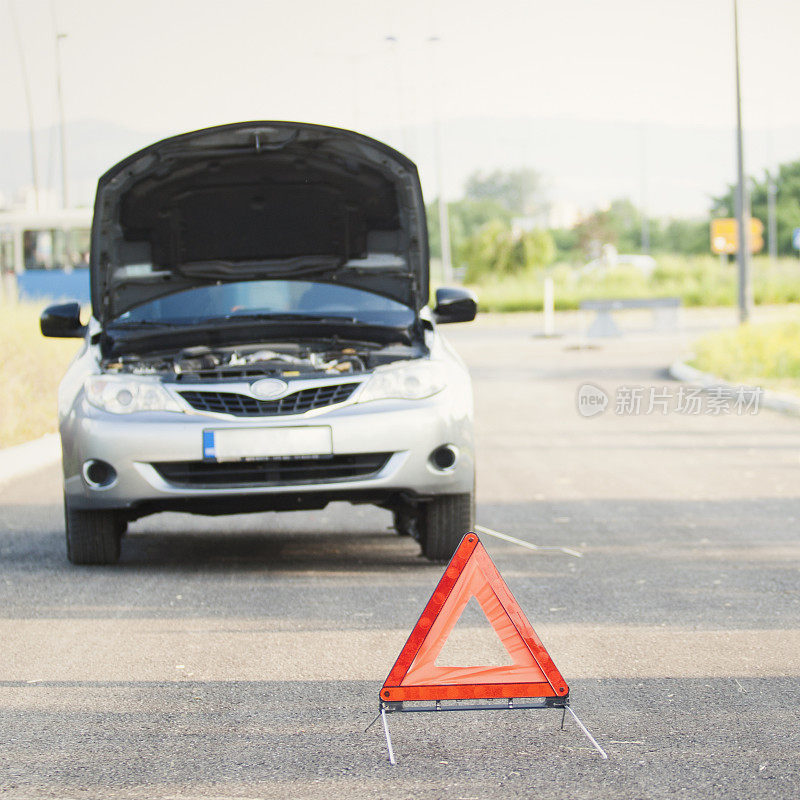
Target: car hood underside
[(258, 200)]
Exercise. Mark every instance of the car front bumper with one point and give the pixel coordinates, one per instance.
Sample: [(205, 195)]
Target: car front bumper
[(407, 432)]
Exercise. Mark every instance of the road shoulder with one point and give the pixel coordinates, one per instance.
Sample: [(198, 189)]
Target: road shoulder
[(776, 401), (23, 459)]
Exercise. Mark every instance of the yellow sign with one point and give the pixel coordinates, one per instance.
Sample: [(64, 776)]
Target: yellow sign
[(725, 239)]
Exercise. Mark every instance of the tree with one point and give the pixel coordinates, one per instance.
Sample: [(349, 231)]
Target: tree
[(520, 191), (496, 250), (787, 203), (686, 236), (538, 248), (566, 242), (620, 224), (467, 217)]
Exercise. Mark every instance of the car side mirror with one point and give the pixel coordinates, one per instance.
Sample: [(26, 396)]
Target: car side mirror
[(455, 304), (62, 321)]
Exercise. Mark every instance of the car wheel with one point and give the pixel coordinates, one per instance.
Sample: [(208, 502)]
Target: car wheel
[(443, 521), (405, 523), (92, 536)]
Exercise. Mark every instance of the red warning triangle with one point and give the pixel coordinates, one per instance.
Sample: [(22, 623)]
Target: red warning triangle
[(416, 676)]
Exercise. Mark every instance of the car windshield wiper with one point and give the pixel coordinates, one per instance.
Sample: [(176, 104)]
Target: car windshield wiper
[(234, 322), (149, 323), (288, 317)]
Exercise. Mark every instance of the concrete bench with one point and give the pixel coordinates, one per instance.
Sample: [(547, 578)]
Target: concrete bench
[(665, 313)]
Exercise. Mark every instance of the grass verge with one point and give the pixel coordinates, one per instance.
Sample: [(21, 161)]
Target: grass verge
[(766, 354), (698, 281), (30, 369)]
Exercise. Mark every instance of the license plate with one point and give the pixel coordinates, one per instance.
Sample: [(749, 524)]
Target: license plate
[(234, 444)]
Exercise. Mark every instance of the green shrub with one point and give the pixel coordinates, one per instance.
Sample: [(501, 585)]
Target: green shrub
[(494, 251)]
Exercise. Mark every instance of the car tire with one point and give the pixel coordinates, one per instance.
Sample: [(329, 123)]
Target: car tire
[(443, 522), (93, 537)]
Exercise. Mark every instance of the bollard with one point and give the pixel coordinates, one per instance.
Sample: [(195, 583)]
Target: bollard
[(549, 308)]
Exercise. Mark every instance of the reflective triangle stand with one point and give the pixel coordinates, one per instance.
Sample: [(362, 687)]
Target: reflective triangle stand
[(387, 708)]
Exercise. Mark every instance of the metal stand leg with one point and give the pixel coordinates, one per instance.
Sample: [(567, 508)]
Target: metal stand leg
[(510, 707), (389, 738), (588, 735)]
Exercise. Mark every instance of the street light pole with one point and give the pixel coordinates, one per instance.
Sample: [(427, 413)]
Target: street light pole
[(61, 120), (62, 125), (742, 200), (645, 236), (444, 213), (772, 222), (393, 43), (28, 101)]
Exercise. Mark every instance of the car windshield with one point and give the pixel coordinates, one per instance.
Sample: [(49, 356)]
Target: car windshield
[(303, 299)]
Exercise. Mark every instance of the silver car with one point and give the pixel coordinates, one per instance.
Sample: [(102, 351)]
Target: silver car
[(260, 341)]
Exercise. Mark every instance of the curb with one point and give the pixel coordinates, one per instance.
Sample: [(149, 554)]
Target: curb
[(784, 403), (23, 459)]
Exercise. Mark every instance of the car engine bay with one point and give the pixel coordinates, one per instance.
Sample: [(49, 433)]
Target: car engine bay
[(193, 364)]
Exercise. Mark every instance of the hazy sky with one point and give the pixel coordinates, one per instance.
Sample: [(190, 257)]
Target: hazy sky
[(173, 65)]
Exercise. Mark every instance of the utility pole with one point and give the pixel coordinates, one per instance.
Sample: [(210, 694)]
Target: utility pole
[(28, 102), (394, 43), (61, 121), (645, 236), (742, 199), (444, 213), (772, 222)]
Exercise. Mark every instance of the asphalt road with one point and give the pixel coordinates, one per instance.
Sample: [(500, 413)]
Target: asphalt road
[(242, 657)]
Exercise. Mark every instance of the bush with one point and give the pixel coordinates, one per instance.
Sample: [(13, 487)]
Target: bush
[(495, 251)]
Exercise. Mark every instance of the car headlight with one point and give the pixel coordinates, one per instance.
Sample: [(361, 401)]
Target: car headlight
[(127, 395), (412, 381)]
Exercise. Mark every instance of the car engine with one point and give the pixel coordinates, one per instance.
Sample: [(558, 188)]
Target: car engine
[(202, 363)]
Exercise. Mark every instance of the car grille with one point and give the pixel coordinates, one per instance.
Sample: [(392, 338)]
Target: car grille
[(241, 405), (272, 472)]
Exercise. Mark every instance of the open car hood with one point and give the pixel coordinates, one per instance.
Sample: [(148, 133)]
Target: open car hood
[(258, 200)]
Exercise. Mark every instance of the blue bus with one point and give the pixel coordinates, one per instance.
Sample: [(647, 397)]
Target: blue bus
[(44, 255)]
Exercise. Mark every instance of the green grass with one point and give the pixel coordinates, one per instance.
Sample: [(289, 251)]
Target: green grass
[(766, 354), (30, 369), (698, 281)]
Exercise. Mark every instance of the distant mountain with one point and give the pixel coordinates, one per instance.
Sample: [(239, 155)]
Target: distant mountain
[(585, 163), (92, 147), (589, 163)]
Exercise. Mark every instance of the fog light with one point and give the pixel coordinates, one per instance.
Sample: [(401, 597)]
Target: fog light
[(99, 474), (444, 457)]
